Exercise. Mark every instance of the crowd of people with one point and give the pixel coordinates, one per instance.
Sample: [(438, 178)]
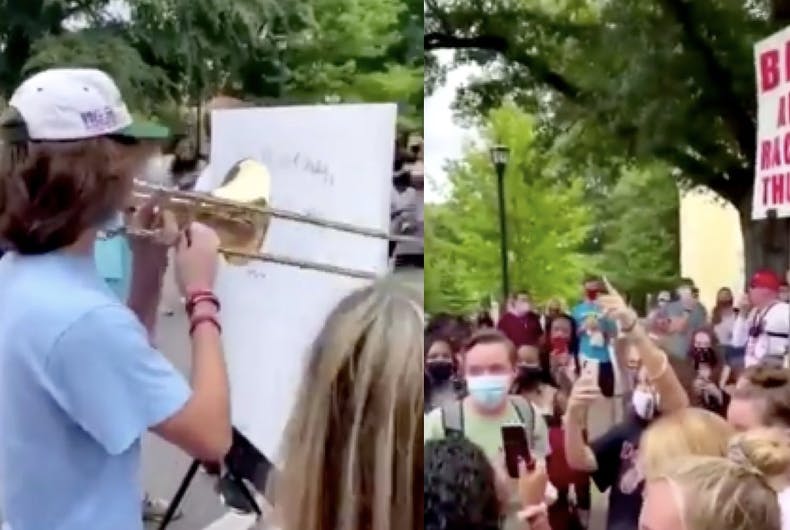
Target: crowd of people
[(679, 416)]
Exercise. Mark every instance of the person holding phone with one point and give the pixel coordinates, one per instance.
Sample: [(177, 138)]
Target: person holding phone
[(596, 333), (489, 369), (687, 315), (611, 458)]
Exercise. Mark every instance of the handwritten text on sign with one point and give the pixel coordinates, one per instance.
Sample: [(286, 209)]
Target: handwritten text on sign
[(772, 165)]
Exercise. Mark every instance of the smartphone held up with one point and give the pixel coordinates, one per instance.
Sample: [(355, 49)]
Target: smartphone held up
[(516, 446)]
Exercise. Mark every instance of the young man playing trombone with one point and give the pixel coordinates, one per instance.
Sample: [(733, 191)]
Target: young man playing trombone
[(80, 381)]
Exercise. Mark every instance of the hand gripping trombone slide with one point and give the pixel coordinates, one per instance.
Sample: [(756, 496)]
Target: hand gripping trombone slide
[(239, 212)]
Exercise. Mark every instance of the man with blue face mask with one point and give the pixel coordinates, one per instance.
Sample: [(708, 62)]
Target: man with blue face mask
[(489, 368)]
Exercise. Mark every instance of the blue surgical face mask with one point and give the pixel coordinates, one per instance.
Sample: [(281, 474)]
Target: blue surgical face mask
[(488, 391)]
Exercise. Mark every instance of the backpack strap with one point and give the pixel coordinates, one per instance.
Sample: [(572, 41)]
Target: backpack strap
[(526, 415), (453, 418)]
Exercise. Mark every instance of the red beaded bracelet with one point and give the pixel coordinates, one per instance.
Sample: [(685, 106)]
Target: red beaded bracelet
[(194, 298), (200, 319)]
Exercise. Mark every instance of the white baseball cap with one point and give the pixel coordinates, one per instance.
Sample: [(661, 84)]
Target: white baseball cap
[(63, 104)]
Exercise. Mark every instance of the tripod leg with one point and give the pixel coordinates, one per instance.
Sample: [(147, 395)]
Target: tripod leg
[(179, 496)]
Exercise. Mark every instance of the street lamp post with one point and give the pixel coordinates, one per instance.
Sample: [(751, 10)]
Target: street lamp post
[(500, 154)]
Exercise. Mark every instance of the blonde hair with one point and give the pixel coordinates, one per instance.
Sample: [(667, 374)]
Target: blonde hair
[(353, 445), (687, 432), (737, 492), (768, 450)]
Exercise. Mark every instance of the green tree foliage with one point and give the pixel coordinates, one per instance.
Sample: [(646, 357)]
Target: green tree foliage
[(167, 53), (641, 251), (546, 217), (635, 81)]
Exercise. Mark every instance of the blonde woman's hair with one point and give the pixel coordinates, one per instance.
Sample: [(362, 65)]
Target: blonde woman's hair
[(768, 450), (687, 432), (736, 492), (353, 445)]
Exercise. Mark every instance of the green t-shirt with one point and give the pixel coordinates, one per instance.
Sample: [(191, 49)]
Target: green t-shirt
[(486, 433)]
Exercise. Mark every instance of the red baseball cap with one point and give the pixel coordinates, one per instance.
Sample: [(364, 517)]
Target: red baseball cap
[(765, 279)]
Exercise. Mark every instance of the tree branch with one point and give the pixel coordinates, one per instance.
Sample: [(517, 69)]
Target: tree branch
[(738, 119), (438, 41), (537, 67)]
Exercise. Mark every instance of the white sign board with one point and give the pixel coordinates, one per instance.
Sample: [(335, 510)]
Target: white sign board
[(332, 162), (772, 163)]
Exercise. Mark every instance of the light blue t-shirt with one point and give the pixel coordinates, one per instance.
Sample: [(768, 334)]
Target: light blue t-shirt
[(79, 385), (581, 313)]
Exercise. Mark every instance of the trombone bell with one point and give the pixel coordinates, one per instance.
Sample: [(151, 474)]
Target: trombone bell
[(237, 210)]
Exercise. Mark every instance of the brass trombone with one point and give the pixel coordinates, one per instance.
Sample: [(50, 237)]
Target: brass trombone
[(239, 212)]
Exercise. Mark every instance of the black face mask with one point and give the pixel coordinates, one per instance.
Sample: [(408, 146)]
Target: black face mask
[(529, 376), (402, 180), (704, 355), (440, 371)]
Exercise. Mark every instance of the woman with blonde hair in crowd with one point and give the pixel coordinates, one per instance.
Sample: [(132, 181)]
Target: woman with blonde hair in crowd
[(768, 449), (686, 432), (736, 492), (353, 445)]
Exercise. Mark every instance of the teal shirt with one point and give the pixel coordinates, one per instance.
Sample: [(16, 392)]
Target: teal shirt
[(581, 313), (114, 263)]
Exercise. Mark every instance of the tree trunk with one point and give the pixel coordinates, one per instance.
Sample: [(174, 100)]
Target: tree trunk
[(766, 243)]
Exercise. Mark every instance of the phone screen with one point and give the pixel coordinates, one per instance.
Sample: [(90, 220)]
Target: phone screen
[(514, 440)]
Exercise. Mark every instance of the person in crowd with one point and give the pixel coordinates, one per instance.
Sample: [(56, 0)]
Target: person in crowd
[(784, 292), (463, 490), (532, 382), (723, 319), (455, 329), (761, 398), (763, 322), (80, 381), (612, 458), (663, 299), (561, 354), (489, 369), (483, 320), (711, 372), (440, 366), (520, 323), (707, 492), (686, 432), (186, 164), (566, 513), (687, 315), (768, 449), (113, 257), (554, 308), (596, 335), (355, 427)]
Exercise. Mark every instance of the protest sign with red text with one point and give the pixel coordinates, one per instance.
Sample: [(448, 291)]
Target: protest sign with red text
[(772, 165)]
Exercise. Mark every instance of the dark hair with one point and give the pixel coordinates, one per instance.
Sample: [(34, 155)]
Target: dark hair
[(51, 192), (452, 328), (718, 309), (484, 320), (459, 487)]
